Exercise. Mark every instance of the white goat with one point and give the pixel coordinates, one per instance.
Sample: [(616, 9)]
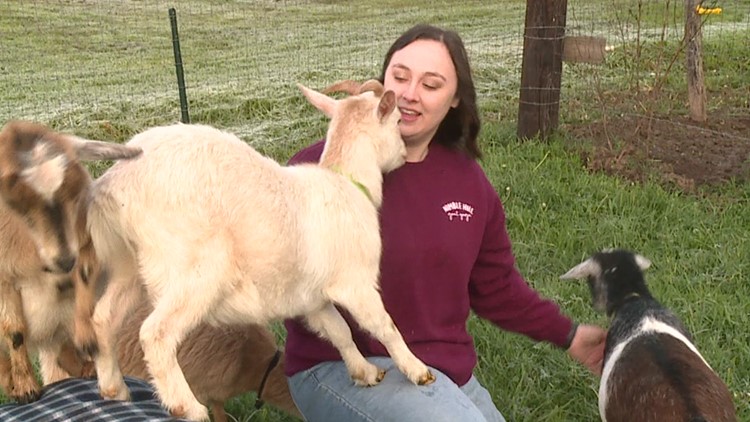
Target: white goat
[(225, 235), (652, 370), (43, 188)]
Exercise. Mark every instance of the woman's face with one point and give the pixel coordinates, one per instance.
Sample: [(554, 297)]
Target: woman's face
[(424, 79)]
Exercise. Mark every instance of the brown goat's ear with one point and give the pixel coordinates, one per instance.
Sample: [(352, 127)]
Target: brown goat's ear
[(355, 88), (373, 85), (386, 105), (348, 86), (88, 150)]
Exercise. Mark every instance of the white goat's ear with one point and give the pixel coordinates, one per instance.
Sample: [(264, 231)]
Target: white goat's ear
[(642, 262), (586, 268), (322, 102), (386, 106), (88, 150)]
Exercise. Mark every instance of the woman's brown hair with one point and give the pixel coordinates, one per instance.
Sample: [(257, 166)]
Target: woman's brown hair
[(460, 127)]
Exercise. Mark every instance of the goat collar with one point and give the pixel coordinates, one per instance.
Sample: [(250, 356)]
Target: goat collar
[(627, 298), (630, 296), (356, 182), (272, 364)]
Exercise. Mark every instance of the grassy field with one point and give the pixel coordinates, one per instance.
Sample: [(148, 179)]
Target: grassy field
[(105, 69)]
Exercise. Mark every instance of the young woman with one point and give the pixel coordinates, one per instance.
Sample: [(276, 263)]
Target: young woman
[(446, 252)]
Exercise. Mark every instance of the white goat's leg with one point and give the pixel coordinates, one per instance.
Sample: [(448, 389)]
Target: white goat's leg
[(48, 367), (329, 323), (110, 311), (175, 314), (364, 304)]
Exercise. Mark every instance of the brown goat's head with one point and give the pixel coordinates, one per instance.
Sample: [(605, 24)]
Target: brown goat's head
[(43, 182)]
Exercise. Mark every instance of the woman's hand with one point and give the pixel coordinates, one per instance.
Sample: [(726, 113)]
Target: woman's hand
[(587, 347)]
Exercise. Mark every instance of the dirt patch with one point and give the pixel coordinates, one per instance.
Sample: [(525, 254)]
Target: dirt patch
[(676, 151)]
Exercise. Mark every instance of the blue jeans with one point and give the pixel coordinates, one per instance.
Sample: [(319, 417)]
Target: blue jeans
[(326, 393)]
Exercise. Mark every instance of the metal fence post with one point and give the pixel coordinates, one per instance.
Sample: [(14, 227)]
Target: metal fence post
[(178, 66)]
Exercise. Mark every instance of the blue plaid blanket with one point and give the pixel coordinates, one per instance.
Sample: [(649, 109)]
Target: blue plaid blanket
[(78, 400)]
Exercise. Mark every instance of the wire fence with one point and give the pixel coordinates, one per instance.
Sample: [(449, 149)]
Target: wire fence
[(645, 47), (80, 62)]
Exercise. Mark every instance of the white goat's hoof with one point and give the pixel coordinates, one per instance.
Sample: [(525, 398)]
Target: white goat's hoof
[(368, 377), (426, 379), (115, 393), (421, 376), (193, 413)]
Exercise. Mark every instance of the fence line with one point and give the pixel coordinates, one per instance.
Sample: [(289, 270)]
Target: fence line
[(94, 64)]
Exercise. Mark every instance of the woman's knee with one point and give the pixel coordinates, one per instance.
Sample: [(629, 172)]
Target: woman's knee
[(326, 392)]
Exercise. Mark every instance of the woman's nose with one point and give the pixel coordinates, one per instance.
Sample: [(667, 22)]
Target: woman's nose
[(410, 93)]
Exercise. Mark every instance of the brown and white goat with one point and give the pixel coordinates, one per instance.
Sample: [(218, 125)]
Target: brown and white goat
[(219, 233), (43, 191), (652, 370), (218, 362)]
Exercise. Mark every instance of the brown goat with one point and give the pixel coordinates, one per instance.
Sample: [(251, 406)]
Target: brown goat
[(43, 193), (218, 362)]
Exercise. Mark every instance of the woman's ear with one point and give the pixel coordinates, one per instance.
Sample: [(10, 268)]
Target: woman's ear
[(455, 102)]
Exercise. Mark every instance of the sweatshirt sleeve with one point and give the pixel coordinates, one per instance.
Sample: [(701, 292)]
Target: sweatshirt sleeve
[(499, 293)]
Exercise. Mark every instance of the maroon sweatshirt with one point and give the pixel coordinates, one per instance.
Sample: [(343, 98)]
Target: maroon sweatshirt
[(446, 251)]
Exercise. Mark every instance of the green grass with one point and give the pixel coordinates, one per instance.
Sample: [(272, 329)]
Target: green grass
[(105, 70), (557, 214)]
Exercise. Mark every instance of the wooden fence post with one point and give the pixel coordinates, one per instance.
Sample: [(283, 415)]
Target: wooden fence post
[(541, 70)]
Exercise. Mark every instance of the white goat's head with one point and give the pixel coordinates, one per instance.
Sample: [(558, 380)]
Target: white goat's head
[(370, 109), (43, 182)]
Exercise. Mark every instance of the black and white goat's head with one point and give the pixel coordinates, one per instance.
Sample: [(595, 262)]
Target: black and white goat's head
[(612, 275), (43, 182)]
